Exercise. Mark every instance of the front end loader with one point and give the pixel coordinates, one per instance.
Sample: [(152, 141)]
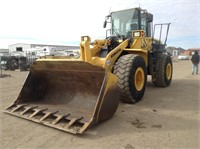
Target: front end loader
[(74, 94)]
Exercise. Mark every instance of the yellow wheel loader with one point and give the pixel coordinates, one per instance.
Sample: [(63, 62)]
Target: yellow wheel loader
[(74, 94)]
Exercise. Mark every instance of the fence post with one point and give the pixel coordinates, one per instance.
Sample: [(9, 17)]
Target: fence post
[(0, 66)]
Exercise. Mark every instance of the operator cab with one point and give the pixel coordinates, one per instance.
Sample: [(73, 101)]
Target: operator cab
[(123, 23)]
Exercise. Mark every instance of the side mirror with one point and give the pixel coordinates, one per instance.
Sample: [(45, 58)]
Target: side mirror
[(105, 24)]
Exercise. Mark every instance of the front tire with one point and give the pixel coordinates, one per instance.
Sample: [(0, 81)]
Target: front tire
[(132, 76)]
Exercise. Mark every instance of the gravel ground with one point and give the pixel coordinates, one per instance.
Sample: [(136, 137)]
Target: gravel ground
[(165, 118)]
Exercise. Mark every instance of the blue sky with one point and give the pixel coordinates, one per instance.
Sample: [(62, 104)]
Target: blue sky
[(64, 22)]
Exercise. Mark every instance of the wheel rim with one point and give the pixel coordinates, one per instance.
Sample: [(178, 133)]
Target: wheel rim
[(139, 79), (169, 71)]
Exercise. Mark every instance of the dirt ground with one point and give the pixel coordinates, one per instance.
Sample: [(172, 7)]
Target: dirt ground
[(165, 118)]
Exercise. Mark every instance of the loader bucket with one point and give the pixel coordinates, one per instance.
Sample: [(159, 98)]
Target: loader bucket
[(70, 95)]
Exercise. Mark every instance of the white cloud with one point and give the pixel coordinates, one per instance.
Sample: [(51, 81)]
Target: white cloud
[(61, 20)]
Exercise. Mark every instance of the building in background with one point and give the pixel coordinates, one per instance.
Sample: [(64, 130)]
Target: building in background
[(4, 52), (22, 47), (21, 55), (174, 51), (192, 50)]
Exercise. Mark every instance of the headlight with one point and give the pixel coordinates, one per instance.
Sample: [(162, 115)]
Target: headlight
[(136, 34)]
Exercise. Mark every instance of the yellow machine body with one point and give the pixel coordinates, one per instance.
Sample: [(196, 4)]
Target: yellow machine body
[(74, 94)]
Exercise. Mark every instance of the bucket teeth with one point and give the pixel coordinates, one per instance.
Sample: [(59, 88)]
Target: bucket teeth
[(47, 114), (27, 109), (72, 122), (16, 107), (57, 119), (52, 119), (36, 112)]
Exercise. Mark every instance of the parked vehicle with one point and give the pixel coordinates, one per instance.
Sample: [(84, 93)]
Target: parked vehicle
[(183, 57)]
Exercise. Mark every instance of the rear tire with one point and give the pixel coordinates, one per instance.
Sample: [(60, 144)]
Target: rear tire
[(132, 76), (164, 71)]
